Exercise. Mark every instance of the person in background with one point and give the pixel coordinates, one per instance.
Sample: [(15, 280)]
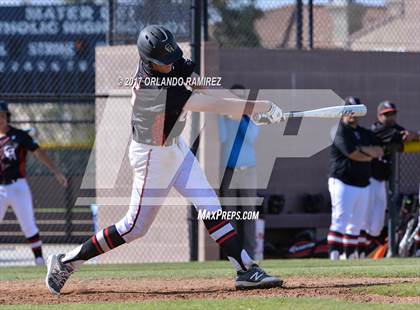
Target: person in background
[(391, 137), (14, 189), (237, 137), (351, 154)]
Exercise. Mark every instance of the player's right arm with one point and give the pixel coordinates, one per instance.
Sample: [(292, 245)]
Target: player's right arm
[(215, 103), (371, 151)]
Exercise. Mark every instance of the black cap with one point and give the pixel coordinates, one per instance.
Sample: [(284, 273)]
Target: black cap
[(156, 44), (4, 107), (386, 106), (352, 101)]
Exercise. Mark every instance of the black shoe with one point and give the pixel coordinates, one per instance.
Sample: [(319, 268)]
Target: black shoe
[(256, 278), (57, 273)]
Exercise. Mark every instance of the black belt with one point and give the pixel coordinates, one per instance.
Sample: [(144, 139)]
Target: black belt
[(7, 181)]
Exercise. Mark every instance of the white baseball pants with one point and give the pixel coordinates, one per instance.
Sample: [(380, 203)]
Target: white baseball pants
[(375, 217), (349, 207), (156, 170), (18, 196)]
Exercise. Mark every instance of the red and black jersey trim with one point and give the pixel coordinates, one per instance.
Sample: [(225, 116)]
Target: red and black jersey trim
[(141, 195)]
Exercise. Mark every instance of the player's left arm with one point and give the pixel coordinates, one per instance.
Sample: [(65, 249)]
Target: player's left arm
[(40, 154), (223, 101), (29, 144)]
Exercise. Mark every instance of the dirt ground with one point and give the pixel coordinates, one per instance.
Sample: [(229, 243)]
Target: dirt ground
[(112, 291)]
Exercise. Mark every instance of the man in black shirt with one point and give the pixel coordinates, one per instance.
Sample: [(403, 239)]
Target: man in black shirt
[(391, 137), (352, 151), (14, 189)]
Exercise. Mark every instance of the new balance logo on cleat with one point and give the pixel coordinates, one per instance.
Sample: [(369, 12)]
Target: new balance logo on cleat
[(255, 278)]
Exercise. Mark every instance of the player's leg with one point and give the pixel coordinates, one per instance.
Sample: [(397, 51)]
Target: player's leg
[(247, 179), (417, 240), (364, 238), (341, 202), (356, 221), (3, 202), (192, 184), (377, 218), (144, 205), (21, 203), (229, 195)]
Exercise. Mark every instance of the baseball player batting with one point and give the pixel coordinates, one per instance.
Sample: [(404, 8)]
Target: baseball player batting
[(14, 189), (161, 160)]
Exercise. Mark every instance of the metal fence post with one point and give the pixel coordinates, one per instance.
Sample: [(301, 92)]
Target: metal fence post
[(310, 24), (299, 24), (195, 55), (393, 206), (205, 19), (111, 22)]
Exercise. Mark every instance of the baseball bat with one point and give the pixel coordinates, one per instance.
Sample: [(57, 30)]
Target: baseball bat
[(328, 112)]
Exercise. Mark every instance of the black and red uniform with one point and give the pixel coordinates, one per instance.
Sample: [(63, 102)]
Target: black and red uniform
[(13, 150), (157, 114)]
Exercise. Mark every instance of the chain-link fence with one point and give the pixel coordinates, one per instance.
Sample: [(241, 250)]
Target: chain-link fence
[(409, 173), (385, 25), (48, 77)]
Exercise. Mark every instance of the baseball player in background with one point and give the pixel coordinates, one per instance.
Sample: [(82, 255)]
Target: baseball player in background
[(391, 137), (351, 154), (14, 189), (161, 160)]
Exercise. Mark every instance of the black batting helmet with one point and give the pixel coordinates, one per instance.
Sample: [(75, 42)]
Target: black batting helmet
[(4, 108), (156, 44)]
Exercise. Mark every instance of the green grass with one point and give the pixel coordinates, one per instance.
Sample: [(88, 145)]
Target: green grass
[(395, 290), (285, 268), (242, 304), (316, 268)]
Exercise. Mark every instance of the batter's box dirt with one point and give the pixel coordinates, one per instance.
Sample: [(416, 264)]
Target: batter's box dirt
[(111, 291)]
